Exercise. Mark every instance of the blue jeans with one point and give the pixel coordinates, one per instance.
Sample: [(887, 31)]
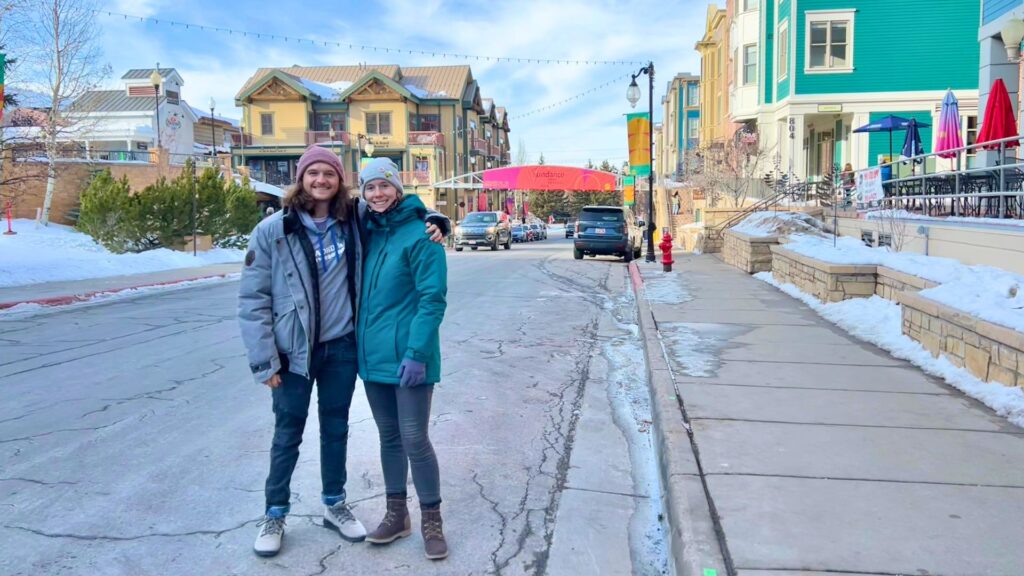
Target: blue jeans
[(333, 369)]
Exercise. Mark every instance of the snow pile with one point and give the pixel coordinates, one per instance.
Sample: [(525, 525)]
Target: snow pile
[(989, 293), (879, 321), (58, 253), (992, 295), (763, 224), (904, 215)]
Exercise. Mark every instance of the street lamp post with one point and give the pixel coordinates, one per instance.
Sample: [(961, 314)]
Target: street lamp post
[(155, 80), (213, 133), (633, 95)]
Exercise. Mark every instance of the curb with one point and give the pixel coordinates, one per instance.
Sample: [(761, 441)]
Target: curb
[(693, 538), (85, 297)]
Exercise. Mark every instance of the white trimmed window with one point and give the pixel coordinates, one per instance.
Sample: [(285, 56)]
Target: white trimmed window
[(782, 69), (749, 64), (829, 41)]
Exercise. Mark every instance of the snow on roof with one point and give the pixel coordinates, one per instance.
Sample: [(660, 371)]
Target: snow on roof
[(417, 91), (330, 91), (200, 114), (262, 187)]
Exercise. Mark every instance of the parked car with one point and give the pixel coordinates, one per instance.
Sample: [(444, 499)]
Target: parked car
[(608, 230), (538, 233), (570, 227), (478, 229), (519, 233)]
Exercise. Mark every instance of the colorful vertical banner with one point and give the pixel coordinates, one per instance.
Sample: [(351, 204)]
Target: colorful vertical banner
[(628, 190), (3, 64), (638, 130)]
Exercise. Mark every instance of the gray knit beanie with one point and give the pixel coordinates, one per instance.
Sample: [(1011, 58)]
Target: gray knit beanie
[(380, 169)]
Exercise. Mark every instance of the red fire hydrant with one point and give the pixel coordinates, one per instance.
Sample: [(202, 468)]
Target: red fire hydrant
[(666, 251)]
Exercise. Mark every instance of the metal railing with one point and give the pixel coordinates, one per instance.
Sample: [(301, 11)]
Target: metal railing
[(426, 137), (415, 178), (478, 145), (38, 154), (337, 138), (987, 191)]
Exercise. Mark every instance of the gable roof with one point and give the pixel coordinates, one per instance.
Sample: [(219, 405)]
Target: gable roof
[(441, 82), (319, 74), (144, 73), (114, 101), (374, 75), (427, 82)]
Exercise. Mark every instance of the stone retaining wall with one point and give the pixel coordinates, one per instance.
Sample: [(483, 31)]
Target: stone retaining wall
[(990, 352), (752, 254), (890, 283), (827, 282)]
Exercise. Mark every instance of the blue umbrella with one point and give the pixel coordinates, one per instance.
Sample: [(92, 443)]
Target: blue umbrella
[(912, 145), (889, 123)]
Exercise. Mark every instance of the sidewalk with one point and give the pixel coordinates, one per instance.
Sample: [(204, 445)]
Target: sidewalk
[(61, 293), (812, 452)]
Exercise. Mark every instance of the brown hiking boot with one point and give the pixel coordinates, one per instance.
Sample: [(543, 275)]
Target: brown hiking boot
[(395, 524), (433, 535)]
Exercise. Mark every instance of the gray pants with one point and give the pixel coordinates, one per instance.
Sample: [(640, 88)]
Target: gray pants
[(403, 416)]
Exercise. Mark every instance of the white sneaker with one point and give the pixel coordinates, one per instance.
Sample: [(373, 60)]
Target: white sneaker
[(268, 541), (339, 517)]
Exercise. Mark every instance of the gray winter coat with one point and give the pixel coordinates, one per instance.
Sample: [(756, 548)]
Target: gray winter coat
[(279, 295)]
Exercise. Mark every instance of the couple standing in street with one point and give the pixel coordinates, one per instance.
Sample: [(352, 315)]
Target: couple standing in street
[(332, 287)]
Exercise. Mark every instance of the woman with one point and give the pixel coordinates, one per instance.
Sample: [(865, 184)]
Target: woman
[(400, 350), (297, 307)]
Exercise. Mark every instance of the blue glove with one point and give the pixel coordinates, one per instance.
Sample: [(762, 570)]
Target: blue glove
[(411, 373)]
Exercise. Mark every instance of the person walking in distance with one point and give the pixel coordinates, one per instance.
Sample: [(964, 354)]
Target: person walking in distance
[(297, 309), (400, 352)]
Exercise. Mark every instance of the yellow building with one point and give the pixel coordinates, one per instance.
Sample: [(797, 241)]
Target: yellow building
[(714, 70), (431, 121)]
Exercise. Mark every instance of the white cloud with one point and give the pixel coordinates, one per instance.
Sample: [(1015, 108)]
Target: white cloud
[(592, 126)]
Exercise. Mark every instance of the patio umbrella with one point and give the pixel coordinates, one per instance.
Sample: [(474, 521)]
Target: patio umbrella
[(889, 123), (949, 127), (912, 145), (998, 122)]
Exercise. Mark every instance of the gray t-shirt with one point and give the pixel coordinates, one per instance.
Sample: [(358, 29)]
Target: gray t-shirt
[(328, 239)]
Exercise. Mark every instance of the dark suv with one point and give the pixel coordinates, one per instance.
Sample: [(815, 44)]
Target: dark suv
[(608, 230), (478, 229)]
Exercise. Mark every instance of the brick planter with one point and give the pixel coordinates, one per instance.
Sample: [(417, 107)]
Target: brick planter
[(752, 254), (990, 352), (827, 282)]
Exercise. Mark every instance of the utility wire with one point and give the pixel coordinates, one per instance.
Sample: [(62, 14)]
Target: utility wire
[(364, 47)]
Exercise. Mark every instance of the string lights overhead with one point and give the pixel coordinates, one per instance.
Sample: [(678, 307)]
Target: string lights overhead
[(366, 48), (570, 99)]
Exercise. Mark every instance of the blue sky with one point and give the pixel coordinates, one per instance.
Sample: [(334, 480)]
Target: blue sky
[(217, 64)]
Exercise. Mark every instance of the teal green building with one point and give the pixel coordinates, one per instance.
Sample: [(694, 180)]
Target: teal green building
[(829, 66)]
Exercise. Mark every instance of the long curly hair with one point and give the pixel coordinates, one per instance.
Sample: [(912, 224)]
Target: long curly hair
[(340, 207)]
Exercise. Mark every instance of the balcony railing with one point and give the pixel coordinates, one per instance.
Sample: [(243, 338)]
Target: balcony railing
[(493, 150), (324, 137), (429, 138), (415, 178), (478, 145)]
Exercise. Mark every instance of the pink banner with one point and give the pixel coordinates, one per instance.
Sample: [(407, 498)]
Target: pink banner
[(546, 178)]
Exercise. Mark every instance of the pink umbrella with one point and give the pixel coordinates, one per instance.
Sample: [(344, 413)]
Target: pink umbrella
[(949, 127)]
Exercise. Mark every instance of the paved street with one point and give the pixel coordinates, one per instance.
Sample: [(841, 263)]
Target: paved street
[(133, 441)]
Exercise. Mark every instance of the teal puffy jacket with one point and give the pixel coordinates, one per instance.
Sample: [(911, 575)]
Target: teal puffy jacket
[(405, 285)]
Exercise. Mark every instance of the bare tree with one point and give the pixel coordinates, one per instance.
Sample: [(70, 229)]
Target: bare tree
[(733, 168), (701, 178), (521, 155), (62, 42)]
